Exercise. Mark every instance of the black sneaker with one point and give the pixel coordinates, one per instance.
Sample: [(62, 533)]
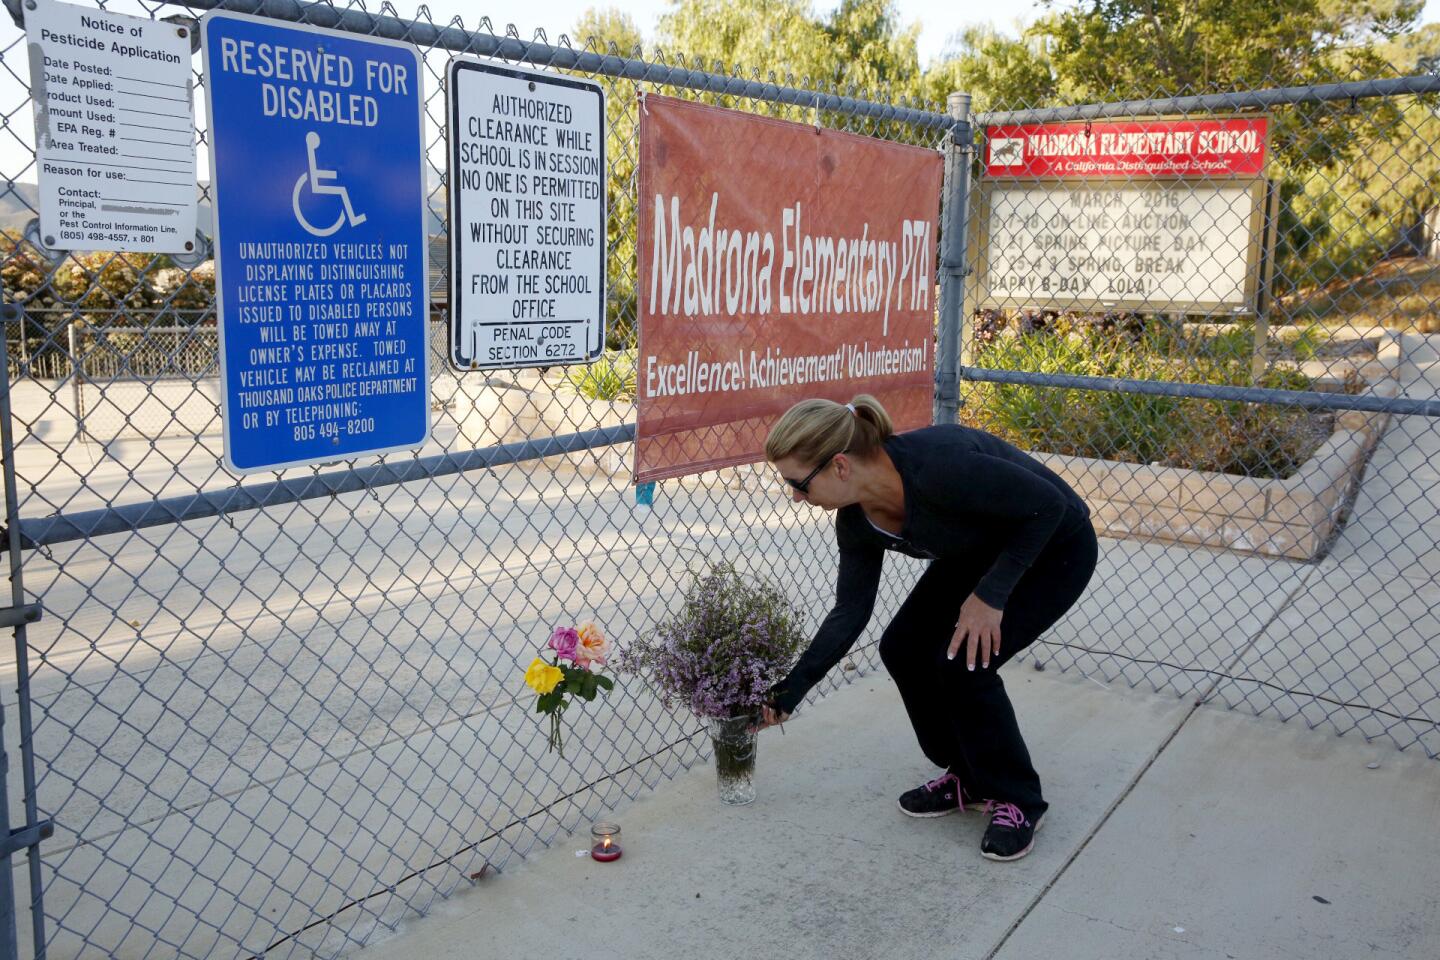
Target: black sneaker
[(937, 798), (1010, 835)]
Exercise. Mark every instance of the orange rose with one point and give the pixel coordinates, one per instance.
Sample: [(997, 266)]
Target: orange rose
[(592, 647)]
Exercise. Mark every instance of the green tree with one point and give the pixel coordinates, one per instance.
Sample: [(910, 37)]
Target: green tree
[(1351, 177), (1200, 46), (999, 72), (1344, 215), (1414, 52), (612, 32), (1137, 48), (860, 47), (25, 273), (111, 288), (740, 35), (1104, 50), (876, 51)]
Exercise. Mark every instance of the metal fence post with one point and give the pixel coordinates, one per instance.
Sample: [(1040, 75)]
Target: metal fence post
[(77, 372), (9, 946), (17, 615), (952, 260)]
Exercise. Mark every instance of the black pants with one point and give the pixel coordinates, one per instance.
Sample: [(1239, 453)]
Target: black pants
[(964, 719)]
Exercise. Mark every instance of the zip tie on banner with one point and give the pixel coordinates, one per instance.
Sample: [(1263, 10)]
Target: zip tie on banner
[(643, 108)]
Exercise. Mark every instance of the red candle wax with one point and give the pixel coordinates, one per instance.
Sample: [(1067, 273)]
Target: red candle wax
[(605, 852)]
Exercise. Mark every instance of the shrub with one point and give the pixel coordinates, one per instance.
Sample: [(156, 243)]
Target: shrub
[(1258, 440), (610, 377)]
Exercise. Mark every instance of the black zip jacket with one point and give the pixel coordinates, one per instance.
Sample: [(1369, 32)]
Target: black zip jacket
[(968, 495)]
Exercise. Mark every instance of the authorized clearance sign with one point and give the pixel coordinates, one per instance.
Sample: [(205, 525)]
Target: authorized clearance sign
[(527, 215), (1218, 147)]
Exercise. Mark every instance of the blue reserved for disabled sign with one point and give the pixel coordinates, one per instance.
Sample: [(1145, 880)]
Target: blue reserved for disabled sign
[(317, 175)]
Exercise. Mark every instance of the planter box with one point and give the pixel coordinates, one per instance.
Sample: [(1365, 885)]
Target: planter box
[(556, 410), (487, 410), (1293, 518)]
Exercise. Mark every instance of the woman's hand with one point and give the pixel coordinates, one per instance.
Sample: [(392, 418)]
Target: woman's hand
[(979, 624), (770, 716)]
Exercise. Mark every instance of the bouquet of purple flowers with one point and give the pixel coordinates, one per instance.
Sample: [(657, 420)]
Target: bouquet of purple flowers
[(730, 641)]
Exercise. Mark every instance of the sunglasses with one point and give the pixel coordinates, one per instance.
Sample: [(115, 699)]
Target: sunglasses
[(803, 486)]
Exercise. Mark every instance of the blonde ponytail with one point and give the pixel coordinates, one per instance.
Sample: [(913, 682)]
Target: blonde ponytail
[(813, 431)]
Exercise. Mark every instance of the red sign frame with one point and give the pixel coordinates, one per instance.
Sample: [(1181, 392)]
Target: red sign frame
[(1215, 147)]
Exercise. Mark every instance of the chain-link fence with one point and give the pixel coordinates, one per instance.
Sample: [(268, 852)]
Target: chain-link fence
[(275, 717), (1220, 361)]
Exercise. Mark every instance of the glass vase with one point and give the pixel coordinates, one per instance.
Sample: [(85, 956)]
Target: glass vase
[(734, 741)]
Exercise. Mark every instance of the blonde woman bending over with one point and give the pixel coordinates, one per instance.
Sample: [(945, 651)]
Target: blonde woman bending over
[(1011, 549)]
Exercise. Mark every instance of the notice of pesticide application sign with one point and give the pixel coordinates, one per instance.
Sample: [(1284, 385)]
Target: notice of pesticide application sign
[(114, 130)]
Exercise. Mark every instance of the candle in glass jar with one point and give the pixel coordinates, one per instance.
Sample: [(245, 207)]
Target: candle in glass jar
[(606, 842)]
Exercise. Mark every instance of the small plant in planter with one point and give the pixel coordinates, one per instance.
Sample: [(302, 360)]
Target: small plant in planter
[(611, 377), (729, 641)]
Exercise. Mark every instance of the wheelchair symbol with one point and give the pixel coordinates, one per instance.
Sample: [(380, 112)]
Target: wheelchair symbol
[(317, 178)]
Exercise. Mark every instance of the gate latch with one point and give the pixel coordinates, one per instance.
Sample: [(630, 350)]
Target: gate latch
[(18, 616), (26, 837)]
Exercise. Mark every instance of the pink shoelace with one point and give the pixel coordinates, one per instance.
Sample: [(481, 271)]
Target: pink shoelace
[(1008, 815), (944, 778)]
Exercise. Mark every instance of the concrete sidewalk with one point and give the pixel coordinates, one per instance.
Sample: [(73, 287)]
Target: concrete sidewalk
[(1174, 832), (1362, 629)]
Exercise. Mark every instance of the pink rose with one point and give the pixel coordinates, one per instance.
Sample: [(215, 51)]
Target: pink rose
[(563, 641)]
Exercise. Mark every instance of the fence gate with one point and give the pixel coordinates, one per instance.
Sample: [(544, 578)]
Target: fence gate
[(273, 716)]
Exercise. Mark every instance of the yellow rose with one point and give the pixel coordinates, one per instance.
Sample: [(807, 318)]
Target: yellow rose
[(542, 677), (592, 647)]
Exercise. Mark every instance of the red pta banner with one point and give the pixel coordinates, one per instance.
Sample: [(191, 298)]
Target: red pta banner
[(778, 261)]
